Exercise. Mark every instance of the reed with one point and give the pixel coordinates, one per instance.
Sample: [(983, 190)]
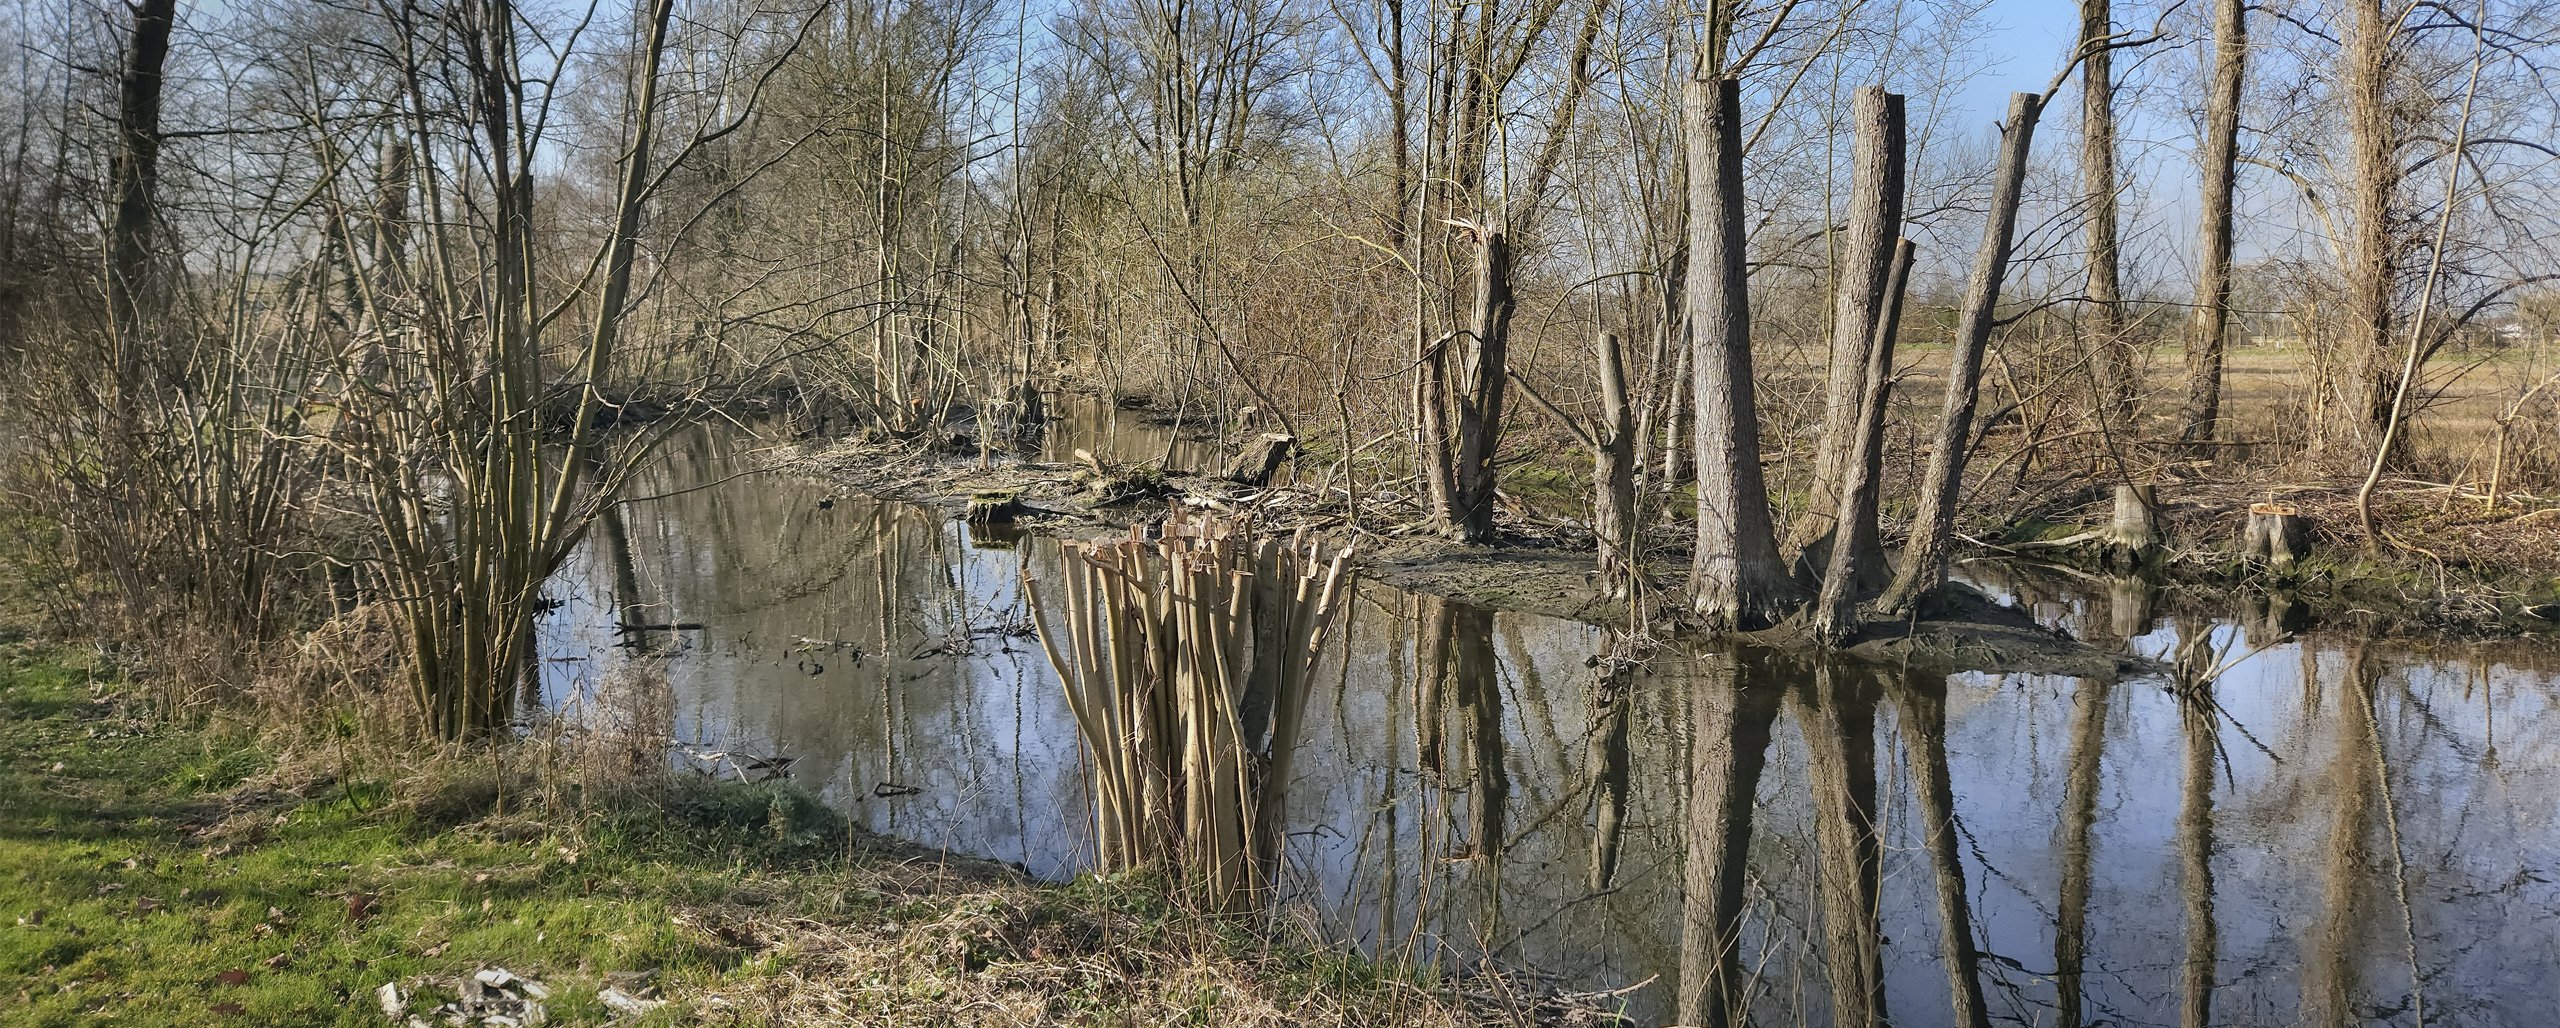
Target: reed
[(1186, 661)]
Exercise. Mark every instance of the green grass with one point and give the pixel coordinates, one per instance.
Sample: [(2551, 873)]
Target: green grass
[(146, 884), (180, 873)]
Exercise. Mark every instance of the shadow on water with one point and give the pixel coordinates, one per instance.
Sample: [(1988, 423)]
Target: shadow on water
[(2283, 828)]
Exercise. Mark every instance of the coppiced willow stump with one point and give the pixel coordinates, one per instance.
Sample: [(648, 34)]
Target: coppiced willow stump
[(1158, 642), (2275, 536)]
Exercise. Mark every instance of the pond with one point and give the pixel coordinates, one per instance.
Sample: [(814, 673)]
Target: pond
[(2337, 831)]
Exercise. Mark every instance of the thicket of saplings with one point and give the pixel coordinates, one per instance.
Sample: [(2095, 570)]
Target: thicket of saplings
[(329, 322)]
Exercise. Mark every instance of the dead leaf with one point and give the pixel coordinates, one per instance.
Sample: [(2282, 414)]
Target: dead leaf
[(359, 905), (229, 1009), (279, 961), (235, 976), (34, 917)]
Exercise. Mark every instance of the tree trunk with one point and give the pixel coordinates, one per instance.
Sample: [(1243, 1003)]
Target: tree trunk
[(1924, 560), (2110, 352), (1866, 255), (1737, 580), (1613, 485), (137, 185), (2373, 182), (1852, 573), (2207, 338), (1482, 373), (2202, 963), (2079, 818), (1680, 416)]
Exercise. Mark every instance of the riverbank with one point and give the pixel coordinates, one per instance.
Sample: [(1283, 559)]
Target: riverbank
[(168, 873)]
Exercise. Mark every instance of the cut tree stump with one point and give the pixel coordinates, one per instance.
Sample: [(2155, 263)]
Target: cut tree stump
[(994, 506), (1261, 459), (2132, 535), (2275, 535)]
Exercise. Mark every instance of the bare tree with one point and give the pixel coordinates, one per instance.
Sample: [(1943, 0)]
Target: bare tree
[(1736, 579), (1866, 254), (2210, 322), (1924, 559), (2110, 352)]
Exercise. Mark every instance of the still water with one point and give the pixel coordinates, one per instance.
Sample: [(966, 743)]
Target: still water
[(2339, 831)]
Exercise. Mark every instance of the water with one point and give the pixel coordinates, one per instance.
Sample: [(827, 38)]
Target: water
[(1465, 781)]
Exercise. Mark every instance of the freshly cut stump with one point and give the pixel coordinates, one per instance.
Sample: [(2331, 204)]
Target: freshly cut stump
[(2132, 535), (2276, 535)]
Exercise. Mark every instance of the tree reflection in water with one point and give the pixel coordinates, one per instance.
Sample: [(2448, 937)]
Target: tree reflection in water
[(2193, 856)]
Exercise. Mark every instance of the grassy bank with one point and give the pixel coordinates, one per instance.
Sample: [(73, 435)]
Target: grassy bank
[(159, 873)]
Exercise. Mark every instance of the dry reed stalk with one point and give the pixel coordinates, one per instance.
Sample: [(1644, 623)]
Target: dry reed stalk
[(1155, 643)]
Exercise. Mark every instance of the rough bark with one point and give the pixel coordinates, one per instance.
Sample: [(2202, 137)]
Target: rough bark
[(1924, 560), (1613, 472), (2210, 324), (1737, 580), (137, 187), (1260, 459), (1865, 259), (1852, 573), (2110, 351), (2373, 175), (1483, 370)]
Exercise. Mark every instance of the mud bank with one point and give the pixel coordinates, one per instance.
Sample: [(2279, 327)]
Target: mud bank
[(1961, 630)]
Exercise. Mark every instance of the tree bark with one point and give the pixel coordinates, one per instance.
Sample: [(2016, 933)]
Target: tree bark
[(1737, 580), (1613, 486), (1866, 255), (2207, 337), (2110, 352), (1852, 573), (137, 190), (1483, 372), (2373, 183), (1924, 560)]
